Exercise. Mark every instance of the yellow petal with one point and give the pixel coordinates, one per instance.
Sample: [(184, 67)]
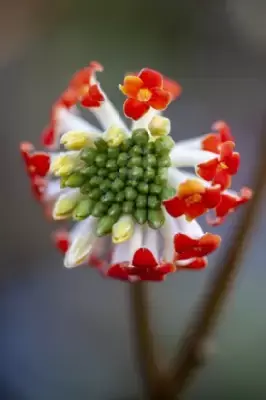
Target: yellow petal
[(114, 136), (76, 140), (159, 126)]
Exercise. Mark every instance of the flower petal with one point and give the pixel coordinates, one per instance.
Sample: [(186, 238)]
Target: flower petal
[(175, 206), (159, 99), (207, 170), (135, 109), (143, 258), (132, 84), (151, 78)]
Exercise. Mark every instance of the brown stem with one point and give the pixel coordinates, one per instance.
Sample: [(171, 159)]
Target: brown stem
[(143, 337), (191, 351)]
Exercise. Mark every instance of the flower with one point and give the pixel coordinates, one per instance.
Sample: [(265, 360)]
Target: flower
[(134, 208), (144, 91)]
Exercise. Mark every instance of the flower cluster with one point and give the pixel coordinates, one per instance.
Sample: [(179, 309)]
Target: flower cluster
[(134, 207)]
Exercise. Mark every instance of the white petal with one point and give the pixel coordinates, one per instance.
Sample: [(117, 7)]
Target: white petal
[(182, 157), (83, 240), (175, 177), (151, 241), (194, 143), (136, 241), (65, 204), (144, 121), (121, 253), (170, 228), (52, 190), (192, 228), (67, 121)]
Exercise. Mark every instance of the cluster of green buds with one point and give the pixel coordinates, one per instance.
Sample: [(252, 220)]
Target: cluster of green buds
[(120, 176)]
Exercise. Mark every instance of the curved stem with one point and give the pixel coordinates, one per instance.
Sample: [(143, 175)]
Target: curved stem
[(191, 352)]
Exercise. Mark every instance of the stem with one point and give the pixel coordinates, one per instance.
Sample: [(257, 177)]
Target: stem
[(190, 355), (143, 337)]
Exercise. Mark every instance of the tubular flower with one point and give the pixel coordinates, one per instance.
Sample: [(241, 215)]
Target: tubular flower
[(134, 208)]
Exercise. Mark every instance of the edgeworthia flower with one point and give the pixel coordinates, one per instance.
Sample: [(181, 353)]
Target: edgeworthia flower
[(134, 207)]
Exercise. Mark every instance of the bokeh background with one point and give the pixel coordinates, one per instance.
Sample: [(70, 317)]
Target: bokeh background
[(68, 334)]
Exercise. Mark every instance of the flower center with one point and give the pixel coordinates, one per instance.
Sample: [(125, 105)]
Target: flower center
[(144, 95), (129, 179), (194, 198)]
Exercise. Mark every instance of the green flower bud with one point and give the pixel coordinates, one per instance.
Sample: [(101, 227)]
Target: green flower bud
[(164, 161), (135, 161), (153, 202), (113, 152), (149, 174), (103, 172), (112, 176), (127, 144), (150, 161), (105, 185), (100, 159), (130, 193), (85, 188), (111, 165), (101, 145), (143, 187), (108, 197), (89, 171), (122, 159), (168, 193), (155, 219), (122, 173), (117, 185), (128, 207), (140, 137), (83, 209), (88, 155), (99, 209), (162, 174), (135, 151), (63, 180), (132, 183), (105, 225), (140, 215), (141, 201), (115, 211), (136, 173), (95, 194), (155, 189), (75, 180), (95, 181), (164, 144), (120, 197)]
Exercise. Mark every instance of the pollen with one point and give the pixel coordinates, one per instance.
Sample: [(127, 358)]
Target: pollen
[(144, 95)]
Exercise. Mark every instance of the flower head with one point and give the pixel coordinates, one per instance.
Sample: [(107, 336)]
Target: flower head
[(134, 209)]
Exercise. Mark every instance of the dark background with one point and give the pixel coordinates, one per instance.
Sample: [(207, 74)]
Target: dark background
[(67, 334)]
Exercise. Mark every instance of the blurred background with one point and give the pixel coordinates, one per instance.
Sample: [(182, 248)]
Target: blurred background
[(67, 334)]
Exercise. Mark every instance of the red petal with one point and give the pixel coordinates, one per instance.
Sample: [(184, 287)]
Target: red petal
[(196, 263), (118, 271), (183, 242), (48, 136), (223, 130), (233, 163), (226, 151), (172, 87), (151, 78), (175, 206), (166, 268), (159, 99), (41, 163), (211, 142), (69, 98), (26, 148), (195, 210), (222, 178), (95, 262), (153, 276), (95, 93), (209, 243), (38, 186), (143, 258), (212, 196), (62, 241), (135, 109), (208, 169)]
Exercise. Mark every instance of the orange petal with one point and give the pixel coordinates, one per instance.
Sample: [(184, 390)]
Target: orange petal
[(172, 87), (132, 84), (190, 187), (159, 99), (211, 143), (135, 109)]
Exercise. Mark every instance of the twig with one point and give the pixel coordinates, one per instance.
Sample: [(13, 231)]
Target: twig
[(143, 337), (189, 357)]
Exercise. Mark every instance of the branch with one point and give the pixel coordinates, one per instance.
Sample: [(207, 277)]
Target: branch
[(191, 351), (143, 337)]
